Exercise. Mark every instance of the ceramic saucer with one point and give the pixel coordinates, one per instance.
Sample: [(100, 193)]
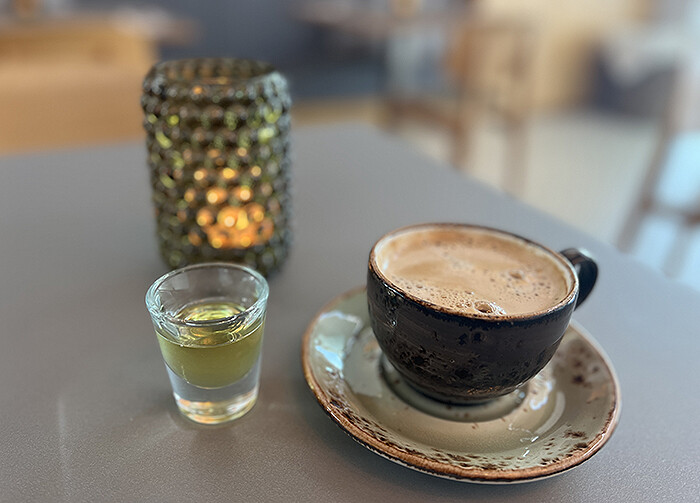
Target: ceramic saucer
[(557, 421)]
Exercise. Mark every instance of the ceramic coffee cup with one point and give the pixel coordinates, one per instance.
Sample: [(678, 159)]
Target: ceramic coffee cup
[(468, 313)]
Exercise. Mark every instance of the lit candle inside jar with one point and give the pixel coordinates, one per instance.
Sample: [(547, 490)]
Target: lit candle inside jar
[(218, 139)]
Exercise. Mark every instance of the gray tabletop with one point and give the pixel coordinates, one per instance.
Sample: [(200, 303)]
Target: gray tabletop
[(85, 407)]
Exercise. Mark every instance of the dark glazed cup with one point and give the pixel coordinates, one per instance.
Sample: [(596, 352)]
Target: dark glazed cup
[(468, 358)]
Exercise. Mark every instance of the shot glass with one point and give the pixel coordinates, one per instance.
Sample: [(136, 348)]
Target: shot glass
[(209, 321)]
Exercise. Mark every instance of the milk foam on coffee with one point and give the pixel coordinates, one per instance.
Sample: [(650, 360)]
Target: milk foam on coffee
[(473, 271)]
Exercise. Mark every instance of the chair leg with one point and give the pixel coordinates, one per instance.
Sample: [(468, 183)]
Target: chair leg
[(460, 146), (515, 166), (645, 201), (391, 114), (678, 254), (643, 205), (462, 133), (630, 229)]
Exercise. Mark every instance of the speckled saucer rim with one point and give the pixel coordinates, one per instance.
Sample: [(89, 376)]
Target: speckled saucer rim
[(449, 471)]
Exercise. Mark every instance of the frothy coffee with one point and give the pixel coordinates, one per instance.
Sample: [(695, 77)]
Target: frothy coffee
[(470, 270)]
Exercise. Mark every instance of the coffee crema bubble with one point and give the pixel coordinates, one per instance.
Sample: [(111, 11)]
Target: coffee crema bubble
[(473, 270)]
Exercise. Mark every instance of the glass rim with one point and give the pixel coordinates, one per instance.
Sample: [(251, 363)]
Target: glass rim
[(161, 68), (151, 295)]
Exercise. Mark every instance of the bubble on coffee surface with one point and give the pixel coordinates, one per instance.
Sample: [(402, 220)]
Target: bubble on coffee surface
[(489, 307), (474, 272)]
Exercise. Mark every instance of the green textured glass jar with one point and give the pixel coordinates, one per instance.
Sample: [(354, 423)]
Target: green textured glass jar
[(218, 152)]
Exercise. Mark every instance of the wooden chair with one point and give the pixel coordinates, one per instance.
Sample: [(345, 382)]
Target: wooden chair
[(490, 65), (668, 192), (69, 82)]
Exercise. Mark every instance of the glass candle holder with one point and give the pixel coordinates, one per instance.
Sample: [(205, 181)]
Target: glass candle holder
[(218, 152)]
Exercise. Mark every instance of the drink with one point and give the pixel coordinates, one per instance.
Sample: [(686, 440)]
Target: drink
[(209, 321), (212, 356), (473, 271), (467, 313)]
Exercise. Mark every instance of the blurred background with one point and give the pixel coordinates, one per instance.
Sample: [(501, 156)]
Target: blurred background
[(589, 111)]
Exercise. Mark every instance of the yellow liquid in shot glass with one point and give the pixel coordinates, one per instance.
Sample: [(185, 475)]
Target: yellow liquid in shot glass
[(212, 357)]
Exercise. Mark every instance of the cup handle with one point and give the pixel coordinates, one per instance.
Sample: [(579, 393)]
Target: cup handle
[(586, 269)]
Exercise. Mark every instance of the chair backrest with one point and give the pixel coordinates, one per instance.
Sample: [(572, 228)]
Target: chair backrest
[(71, 82), (82, 40), (491, 60)]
